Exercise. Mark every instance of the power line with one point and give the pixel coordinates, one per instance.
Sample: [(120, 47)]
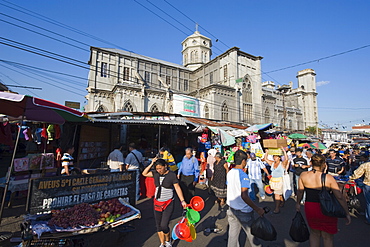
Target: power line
[(160, 17), (169, 15), (36, 88), (319, 59), (54, 22), (19, 84), (38, 49), (61, 41), (217, 40), (44, 29), (206, 31), (46, 82)]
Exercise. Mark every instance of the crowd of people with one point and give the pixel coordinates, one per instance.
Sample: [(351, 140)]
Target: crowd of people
[(235, 184)]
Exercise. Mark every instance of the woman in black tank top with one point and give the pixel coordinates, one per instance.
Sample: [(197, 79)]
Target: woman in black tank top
[(320, 224)]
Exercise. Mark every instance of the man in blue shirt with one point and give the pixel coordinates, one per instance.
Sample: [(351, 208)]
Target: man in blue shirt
[(188, 174)]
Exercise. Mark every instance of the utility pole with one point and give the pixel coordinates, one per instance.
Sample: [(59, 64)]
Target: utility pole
[(283, 89)]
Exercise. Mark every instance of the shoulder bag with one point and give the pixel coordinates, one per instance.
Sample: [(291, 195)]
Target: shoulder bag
[(329, 203), (141, 165)]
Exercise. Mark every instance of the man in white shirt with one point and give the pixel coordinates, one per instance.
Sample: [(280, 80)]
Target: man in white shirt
[(240, 212), (115, 159), (134, 161), (254, 166)]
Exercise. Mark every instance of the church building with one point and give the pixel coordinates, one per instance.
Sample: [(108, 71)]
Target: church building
[(226, 88)]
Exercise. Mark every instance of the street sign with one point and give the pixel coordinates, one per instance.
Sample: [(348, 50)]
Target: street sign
[(61, 192), (71, 104)]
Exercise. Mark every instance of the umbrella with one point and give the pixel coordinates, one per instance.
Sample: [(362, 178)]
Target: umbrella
[(33, 109), (306, 145), (319, 145), (297, 136)]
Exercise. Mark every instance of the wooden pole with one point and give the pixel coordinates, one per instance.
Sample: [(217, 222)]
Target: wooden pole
[(10, 170)]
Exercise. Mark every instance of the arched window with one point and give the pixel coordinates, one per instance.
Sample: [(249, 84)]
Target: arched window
[(185, 59), (205, 57), (154, 108), (267, 116), (224, 112), (128, 107), (247, 93), (247, 103), (196, 57), (101, 108), (206, 111), (170, 110), (192, 56)]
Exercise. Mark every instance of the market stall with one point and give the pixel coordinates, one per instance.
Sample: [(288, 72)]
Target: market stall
[(149, 131), (32, 109)]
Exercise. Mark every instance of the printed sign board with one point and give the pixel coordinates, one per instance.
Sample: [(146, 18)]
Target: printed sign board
[(65, 191), (71, 104), (186, 105)]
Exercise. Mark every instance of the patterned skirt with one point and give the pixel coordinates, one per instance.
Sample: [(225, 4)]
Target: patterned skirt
[(220, 193)]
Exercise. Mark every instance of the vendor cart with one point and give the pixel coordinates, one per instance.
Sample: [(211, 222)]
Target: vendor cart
[(53, 195), (37, 232)]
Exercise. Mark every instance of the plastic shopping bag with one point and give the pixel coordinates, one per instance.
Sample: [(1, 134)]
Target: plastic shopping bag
[(298, 230), (263, 229)]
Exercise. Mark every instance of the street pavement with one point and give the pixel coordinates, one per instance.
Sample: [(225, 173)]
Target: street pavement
[(356, 234)]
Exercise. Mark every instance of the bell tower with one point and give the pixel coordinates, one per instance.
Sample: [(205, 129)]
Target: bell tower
[(196, 50)]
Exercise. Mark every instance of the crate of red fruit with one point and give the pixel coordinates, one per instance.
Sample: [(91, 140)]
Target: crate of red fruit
[(86, 218)]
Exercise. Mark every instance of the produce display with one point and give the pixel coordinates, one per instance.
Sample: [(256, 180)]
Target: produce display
[(89, 215)]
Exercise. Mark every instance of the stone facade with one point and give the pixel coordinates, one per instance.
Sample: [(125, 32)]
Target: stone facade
[(228, 87)]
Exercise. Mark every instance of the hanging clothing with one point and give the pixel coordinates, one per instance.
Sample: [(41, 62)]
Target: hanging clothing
[(44, 133), (57, 131), (6, 134), (50, 132), (38, 135)]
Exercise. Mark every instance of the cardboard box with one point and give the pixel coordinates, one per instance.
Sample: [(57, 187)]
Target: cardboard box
[(274, 143), (275, 151)]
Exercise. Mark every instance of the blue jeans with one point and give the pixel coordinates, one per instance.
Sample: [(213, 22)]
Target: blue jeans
[(366, 189), (258, 183), (237, 221)]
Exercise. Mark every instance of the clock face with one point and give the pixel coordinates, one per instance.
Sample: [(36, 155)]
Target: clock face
[(194, 42), (204, 42)]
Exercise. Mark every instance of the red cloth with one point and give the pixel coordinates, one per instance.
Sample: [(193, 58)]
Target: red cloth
[(6, 134), (57, 131), (316, 220), (149, 187)]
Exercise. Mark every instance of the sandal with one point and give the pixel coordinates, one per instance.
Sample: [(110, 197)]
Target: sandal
[(276, 212)]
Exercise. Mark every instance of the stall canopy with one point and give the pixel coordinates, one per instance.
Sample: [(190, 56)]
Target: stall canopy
[(259, 127), (226, 139), (297, 136), (157, 118), (35, 109)]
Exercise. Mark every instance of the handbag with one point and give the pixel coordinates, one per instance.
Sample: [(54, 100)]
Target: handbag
[(141, 165), (276, 183), (287, 190), (329, 203)]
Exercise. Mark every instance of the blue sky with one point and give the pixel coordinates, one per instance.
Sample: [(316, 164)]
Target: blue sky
[(285, 33)]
